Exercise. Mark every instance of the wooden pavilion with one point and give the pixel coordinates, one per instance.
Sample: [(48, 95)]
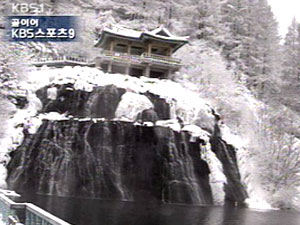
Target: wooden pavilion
[(136, 53)]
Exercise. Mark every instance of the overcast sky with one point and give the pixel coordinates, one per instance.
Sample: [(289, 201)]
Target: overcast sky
[(284, 11)]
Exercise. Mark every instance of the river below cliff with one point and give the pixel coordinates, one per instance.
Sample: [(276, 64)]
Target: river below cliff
[(98, 212)]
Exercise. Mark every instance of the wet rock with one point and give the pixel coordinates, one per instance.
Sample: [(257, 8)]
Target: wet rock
[(235, 192), (103, 102), (148, 115), (161, 107), (111, 160)]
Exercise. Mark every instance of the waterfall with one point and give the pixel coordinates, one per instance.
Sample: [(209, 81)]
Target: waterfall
[(110, 160), (89, 151)]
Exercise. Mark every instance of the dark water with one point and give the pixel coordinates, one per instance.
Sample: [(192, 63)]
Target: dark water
[(99, 212)]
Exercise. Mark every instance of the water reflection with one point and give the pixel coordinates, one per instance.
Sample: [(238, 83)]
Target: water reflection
[(97, 212), (233, 216), (215, 216)]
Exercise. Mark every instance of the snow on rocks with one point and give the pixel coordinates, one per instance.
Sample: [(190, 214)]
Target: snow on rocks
[(173, 124), (14, 134), (3, 174), (34, 123), (231, 138), (24, 118), (184, 103), (131, 105), (197, 132), (195, 114), (52, 93), (258, 203)]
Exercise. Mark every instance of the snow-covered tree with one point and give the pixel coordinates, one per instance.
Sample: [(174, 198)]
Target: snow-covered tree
[(279, 160), (291, 67), (255, 42), (291, 63)]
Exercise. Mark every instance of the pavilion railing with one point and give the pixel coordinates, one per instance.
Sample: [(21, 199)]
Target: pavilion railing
[(122, 57), (144, 58), (61, 59), (161, 58)]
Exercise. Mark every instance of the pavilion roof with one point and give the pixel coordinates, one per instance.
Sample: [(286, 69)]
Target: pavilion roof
[(161, 34)]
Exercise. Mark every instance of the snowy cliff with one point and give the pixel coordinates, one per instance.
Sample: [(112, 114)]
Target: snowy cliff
[(85, 132)]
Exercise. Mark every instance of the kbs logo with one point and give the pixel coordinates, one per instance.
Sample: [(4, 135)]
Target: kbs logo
[(23, 8)]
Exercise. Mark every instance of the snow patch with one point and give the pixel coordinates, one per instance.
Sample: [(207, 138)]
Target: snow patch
[(173, 124), (197, 132), (148, 124), (184, 103), (52, 93), (3, 174), (34, 123), (232, 139), (258, 203), (131, 105), (14, 135), (119, 30)]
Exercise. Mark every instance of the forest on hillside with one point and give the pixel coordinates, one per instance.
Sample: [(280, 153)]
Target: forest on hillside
[(235, 59)]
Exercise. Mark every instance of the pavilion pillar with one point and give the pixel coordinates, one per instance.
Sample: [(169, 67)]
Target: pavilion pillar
[(170, 51), (111, 47), (127, 70), (109, 69), (149, 50), (98, 62), (129, 49), (169, 72), (147, 71)]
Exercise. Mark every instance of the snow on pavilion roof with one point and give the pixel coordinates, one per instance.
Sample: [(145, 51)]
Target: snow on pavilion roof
[(158, 33), (164, 33), (114, 29)]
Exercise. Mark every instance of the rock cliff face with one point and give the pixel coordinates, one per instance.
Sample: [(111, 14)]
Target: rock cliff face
[(235, 192), (102, 102), (113, 159)]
